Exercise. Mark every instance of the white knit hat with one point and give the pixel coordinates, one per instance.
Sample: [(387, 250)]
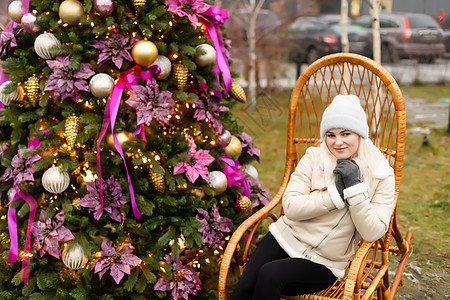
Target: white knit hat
[(345, 112)]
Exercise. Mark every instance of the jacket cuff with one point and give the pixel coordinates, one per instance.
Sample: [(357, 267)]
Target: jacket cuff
[(356, 193), (335, 197)]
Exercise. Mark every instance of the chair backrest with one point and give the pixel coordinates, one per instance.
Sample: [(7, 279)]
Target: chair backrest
[(347, 73)]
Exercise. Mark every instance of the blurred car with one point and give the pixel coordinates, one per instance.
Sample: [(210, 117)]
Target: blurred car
[(446, 41), (407, 35), (310, 38)]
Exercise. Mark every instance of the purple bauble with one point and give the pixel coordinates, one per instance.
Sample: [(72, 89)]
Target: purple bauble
[(28, 23), (104, 7), (224, 139)]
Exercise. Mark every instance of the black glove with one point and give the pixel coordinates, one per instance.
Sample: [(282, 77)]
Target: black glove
[(349, 171), (340, 185)]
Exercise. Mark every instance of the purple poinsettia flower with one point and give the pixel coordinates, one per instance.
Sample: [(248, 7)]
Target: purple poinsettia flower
[(8, 40), (67, 82), (21, 169), (151, 103), (197, 165), (209, 109), (112, 199), (48, 233), (263, 196), (215, 227), (247, 145), (117, 261), (115, 47), (192, 9), (184, 280)]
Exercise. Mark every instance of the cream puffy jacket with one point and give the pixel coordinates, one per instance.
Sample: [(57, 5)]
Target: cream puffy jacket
[(318, 226)]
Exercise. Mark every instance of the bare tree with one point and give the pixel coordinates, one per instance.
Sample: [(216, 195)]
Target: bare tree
[(344, 22), (375, 13), (254, 7)]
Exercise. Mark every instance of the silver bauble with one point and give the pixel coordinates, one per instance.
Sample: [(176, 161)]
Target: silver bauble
[(45, 45), (166, 66), (15, 11), (207, 58), (249, 170), (28, 23), (101, 85), (55, 180), (73, 257), (217, 180), (224, 139), (16, 95), (104, 7)]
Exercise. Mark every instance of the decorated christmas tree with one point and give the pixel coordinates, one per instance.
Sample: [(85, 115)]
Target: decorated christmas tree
[(123, 171)]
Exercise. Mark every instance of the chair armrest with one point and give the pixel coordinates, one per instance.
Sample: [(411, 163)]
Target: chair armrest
[(355, 274), (263, 213)]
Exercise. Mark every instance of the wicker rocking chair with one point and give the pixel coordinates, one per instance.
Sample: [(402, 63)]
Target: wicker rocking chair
[(342, 73)]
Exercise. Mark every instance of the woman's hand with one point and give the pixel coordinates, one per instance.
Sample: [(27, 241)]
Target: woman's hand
[(349, 171)]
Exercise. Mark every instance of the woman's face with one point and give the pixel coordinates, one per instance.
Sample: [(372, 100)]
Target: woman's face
[(342, 143)]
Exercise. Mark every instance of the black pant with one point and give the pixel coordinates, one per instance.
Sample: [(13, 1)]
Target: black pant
[(270, 272)]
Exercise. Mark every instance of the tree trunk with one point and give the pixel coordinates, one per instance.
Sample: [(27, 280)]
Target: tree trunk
[(344, 20), (375, 12), (254, 7)]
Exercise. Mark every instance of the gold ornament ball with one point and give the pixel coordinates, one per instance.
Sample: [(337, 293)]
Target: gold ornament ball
[(122, 137), (234, 147), (70, 11), (144, 53), (245, 204)]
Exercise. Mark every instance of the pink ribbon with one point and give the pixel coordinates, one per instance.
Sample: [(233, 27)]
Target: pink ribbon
[(127, 79), (219, 16), (25, 7), (235, 177), (12, 226)]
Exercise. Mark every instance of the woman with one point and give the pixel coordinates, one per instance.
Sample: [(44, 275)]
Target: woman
[(340, 191)]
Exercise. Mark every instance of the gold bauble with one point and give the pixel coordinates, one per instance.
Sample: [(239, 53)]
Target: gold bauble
[(70, 11), (122, 137), (32, 88), (139, 3), (180, 73), (71, 129), (234, 147), (144, 53), (41, 124), (158, 181), (237, 92), (245, 204)]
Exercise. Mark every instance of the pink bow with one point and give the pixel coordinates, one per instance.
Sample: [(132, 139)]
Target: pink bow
[(235, 177), (219, 16)]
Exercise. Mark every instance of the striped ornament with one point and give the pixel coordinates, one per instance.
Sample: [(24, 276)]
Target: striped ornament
[(55, 180), (73, 257)]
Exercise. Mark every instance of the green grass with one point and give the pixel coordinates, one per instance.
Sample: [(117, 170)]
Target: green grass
[(424, 200)]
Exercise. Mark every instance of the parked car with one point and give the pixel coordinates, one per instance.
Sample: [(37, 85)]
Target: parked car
[(310, 38), (407, 35)]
